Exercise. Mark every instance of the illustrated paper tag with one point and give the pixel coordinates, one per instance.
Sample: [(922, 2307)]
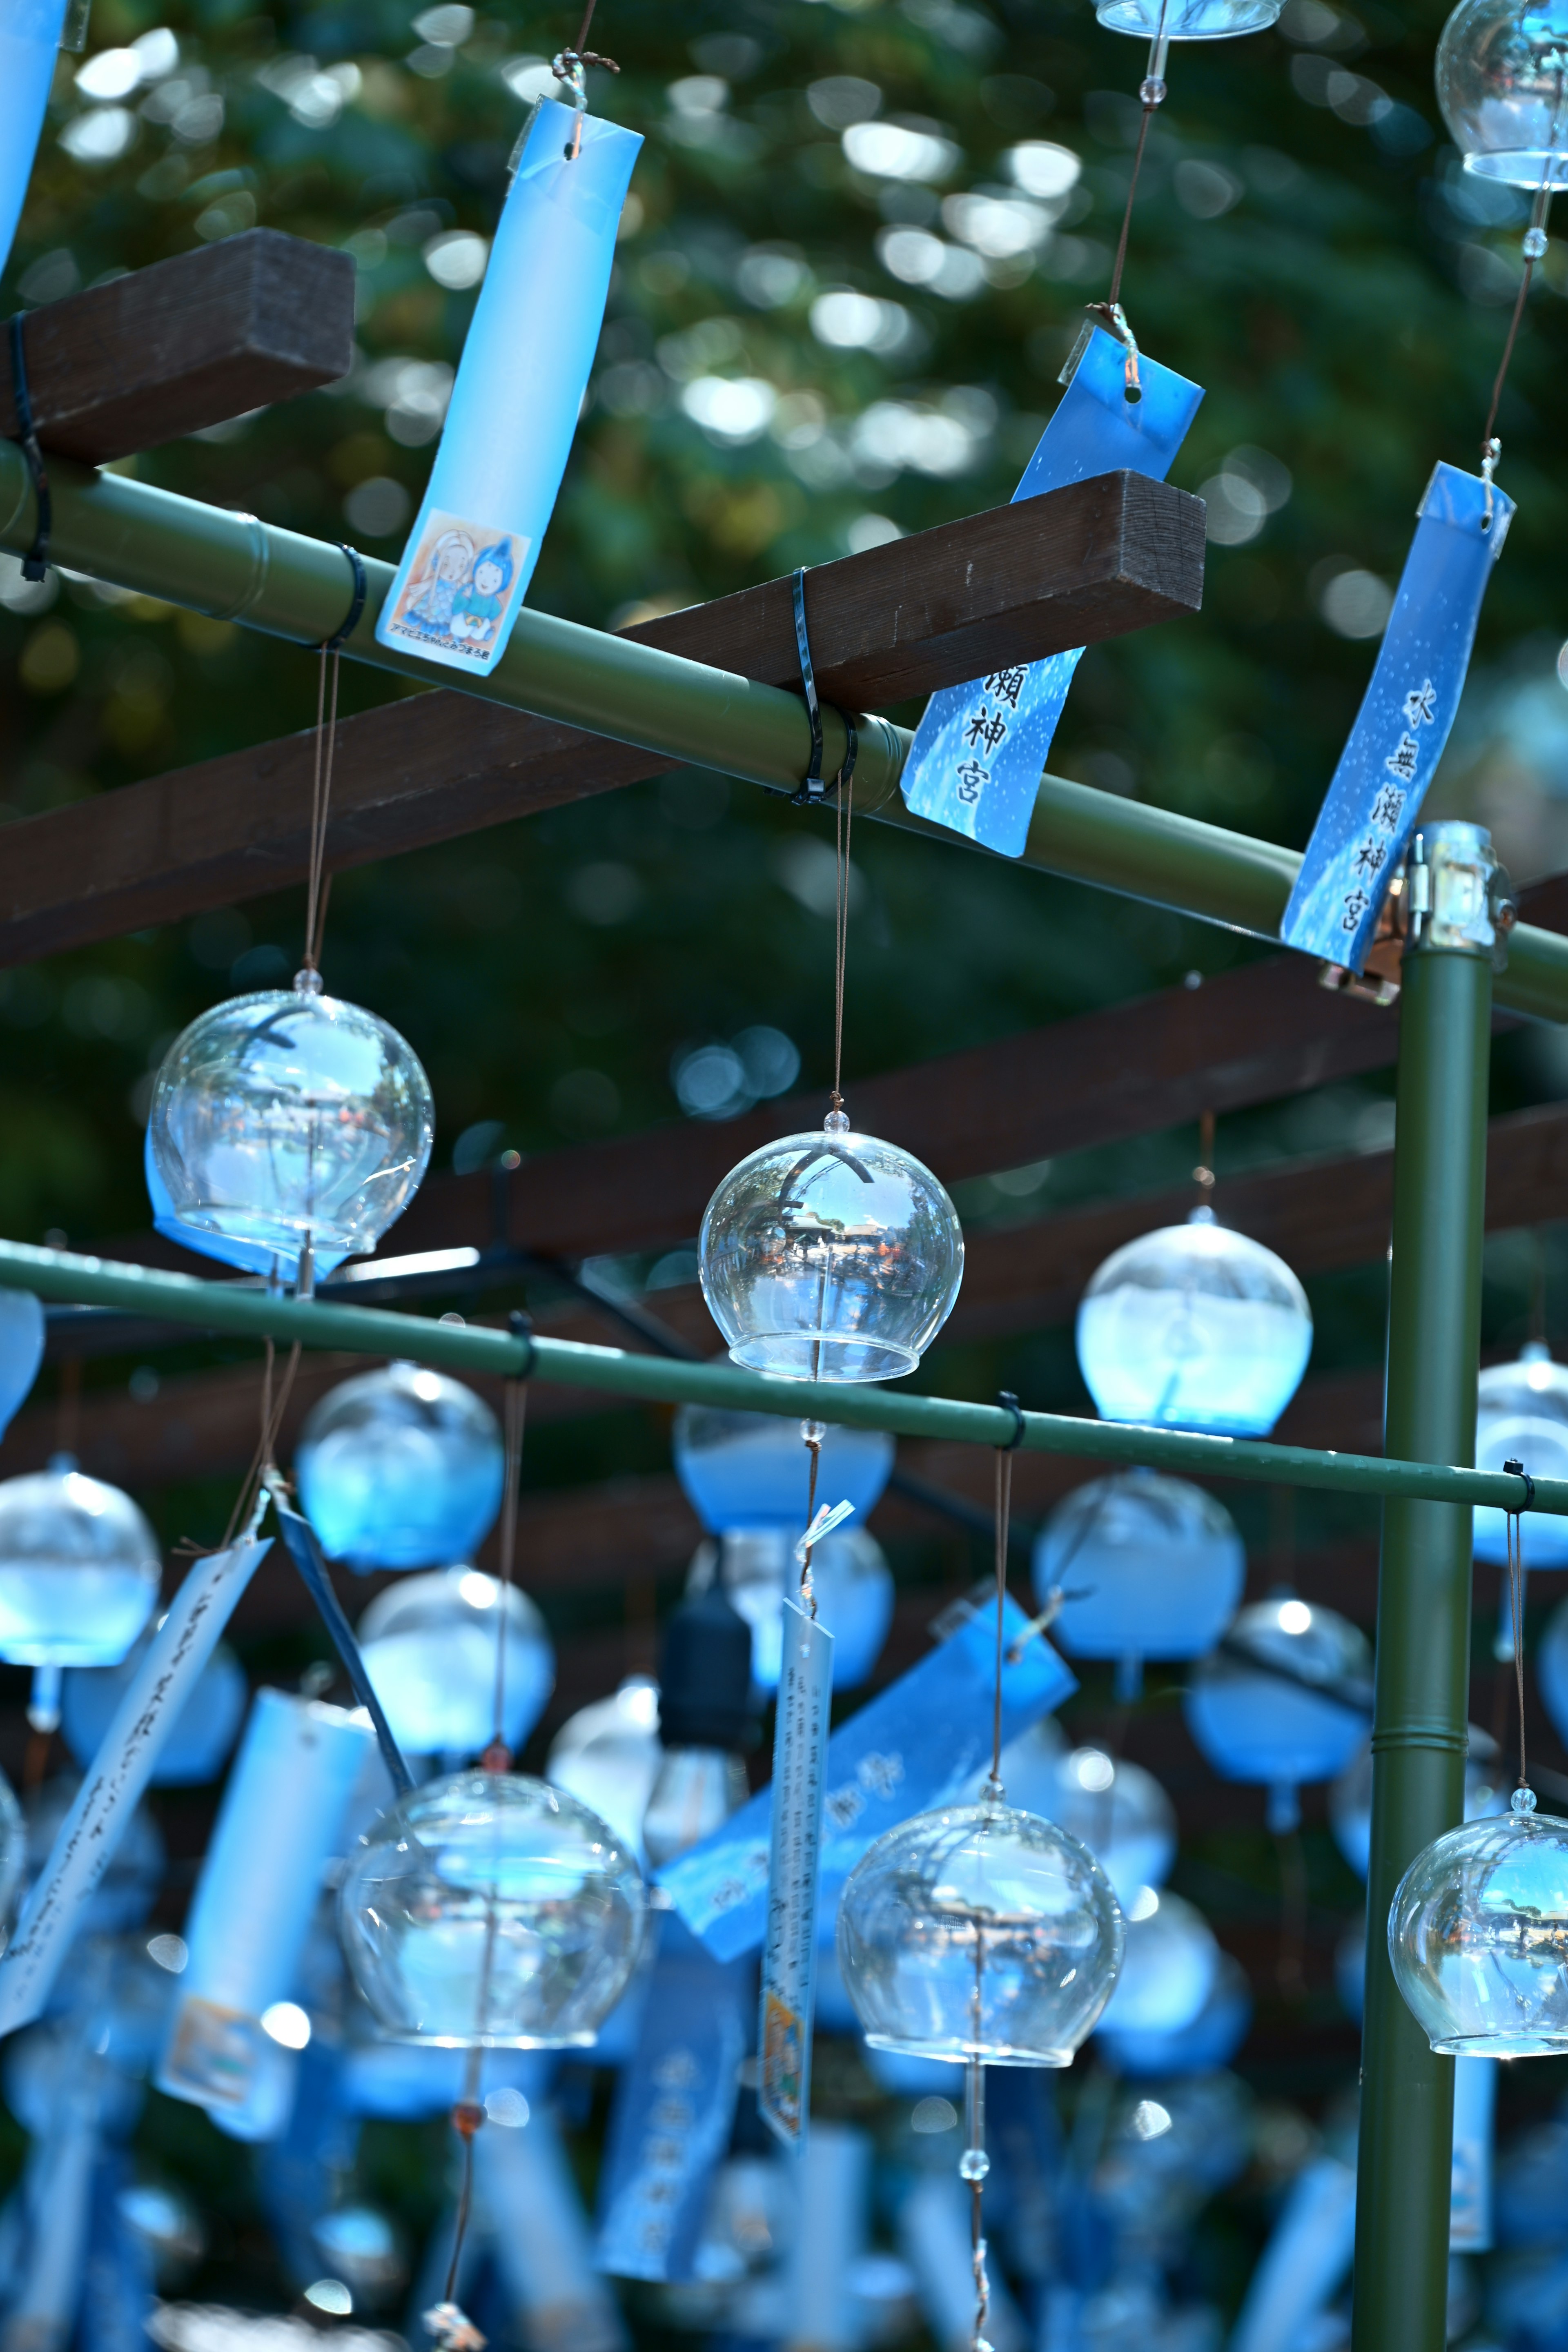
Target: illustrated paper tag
[(1364, 825), (916, 1744), (789, 1946), (515, 408), (980, 750), (674, 2109), (87, 1838)]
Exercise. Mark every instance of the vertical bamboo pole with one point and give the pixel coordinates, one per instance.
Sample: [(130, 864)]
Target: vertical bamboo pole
[(1422, 1618)]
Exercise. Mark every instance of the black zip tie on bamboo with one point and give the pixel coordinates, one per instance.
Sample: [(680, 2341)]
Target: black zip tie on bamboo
[(340, 638), (300, 1537), (36, 561), (813, 791), (1007, 1402)]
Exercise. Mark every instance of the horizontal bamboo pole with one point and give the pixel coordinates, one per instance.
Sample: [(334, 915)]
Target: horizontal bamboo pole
[(136, 536), (240, 1311)]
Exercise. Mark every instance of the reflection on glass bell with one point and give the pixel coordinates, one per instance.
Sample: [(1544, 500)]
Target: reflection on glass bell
[(1155, 1567), (1116, 1809), (401, 1468), (979, 1932), (752, 1469), (1477, 1937), (849, 1572), (1194, 1327), (1503, 84), (1521, 1415), (79, 1572), (1168, 1970), (429, 1643), (197, 1743), (251, 1257), (1303, 1722), (490, 1909), (1187, 20), (1350, 1799), (607, 1756), (22, 1351), (1210, 2041), (289, 1116), (830, 1257)]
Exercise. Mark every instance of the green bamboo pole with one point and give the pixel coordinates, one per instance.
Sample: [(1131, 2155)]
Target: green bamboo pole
[(1419, 1726), (136, 536), (256, 1314)]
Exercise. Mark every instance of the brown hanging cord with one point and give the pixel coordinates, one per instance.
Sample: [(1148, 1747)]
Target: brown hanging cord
[(844, 818), (1004, 1506), (273, 1409), (1535, 244), (320, 800), (812, 1434), (568, 68), (1516, 1595), (497, 1756), (1151, 91)]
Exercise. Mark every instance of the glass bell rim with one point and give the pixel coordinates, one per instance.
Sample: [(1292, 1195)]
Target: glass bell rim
[(1501, 2046), (894, 1361), (1520, 167), (957, 2051), (1132, 17), (392, 2037)]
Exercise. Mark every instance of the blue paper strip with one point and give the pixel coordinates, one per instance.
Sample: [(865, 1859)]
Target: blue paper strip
[(29, 40), (1366, 824), (514, 408), (980, 750), (670, 2124), (916, 1744)]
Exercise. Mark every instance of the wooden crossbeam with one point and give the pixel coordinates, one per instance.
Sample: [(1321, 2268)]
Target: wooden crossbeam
[(1097, 559), (187, 343)]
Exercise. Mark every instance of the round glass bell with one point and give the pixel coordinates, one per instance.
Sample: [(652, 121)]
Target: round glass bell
[(1168, 1970), (1304, 1720), (401, 1468), (79, 1570), (1117, 1809), (849, 1573), (1521, 1415), (22, 1353), (492, 1910), (250, 1257), (607, 1756), (752, 1469), (1503, 84), (830, 1257), (197, 1744), (1194, 1327), (1350, 1799), (1477, 1937), (978, 1932), (289, 1116), (429, 1646), (1154, 1567), (1187, 20)]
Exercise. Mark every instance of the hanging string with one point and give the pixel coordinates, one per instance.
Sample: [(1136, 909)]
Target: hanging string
[(1535, 244), (812, 1434), (568, 69), (844, 818), (318, 890), (273, 1408), (1204, 1175), (497, 1756), (1151, 91), (1516, 1598), (1004, 1499), (973, 2166)]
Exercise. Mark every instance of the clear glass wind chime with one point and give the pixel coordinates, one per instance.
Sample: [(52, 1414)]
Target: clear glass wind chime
[(982, 1935)]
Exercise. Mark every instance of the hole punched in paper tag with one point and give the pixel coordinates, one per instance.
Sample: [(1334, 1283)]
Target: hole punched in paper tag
[(789, 1943)]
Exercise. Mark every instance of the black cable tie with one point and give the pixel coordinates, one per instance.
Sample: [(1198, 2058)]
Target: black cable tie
[(813, 789), (36, 561), (1009, 1403), (1517, 1470), (340, 638), (520, 1324)]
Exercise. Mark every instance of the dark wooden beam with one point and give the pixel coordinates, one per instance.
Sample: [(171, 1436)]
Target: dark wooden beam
[(1097, 559), (187, 343)]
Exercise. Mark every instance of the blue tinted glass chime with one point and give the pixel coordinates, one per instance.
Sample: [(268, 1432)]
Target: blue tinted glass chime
[(79, 1571), (1187, 20), (1194, 1327), (607, 1756), (1350, 1799), (1521, 1415), (401, 1468), (1168, 1969), (1114, 1807), (22, 1350), (1279, 1729), (830, 1256), (1152, 1568), (290, 1118), (197, 1744), (429, 1644), (752, 1469), (757, 1566)]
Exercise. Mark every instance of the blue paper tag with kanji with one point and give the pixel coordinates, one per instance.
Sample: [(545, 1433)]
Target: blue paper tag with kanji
[(674, 2109), (1364, 825), (980, 750), (789, 1946), (916, 1744)]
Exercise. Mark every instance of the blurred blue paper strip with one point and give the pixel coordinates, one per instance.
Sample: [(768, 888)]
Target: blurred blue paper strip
[(670, 2124), (1366, 824), (30, 41), (916, 1744), (980, 750), (514, 408)]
